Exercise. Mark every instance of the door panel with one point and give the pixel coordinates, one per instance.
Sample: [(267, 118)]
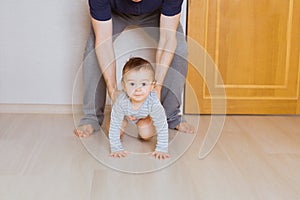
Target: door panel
[(255, 47)]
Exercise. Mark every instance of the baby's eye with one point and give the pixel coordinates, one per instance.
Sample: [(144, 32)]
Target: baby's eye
[(132, 84), (144, 84)]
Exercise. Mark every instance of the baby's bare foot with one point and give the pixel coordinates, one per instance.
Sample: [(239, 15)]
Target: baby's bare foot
[(185, 127), (84, 130)]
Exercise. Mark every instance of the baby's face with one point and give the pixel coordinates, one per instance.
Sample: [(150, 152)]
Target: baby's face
[(138, 85)]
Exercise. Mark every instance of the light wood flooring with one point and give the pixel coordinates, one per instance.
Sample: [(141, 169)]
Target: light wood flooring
[(256, 157)]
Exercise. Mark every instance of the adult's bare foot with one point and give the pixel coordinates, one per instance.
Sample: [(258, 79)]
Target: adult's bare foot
[(185, 127), (84, 130)]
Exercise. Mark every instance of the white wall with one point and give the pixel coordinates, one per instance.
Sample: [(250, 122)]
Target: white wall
[(41, 47), (41, 43)]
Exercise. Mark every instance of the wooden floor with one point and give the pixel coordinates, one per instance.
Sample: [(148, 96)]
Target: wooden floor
[(256, 157)]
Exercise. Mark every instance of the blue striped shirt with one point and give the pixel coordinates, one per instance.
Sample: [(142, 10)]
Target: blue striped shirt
[(151, 107)]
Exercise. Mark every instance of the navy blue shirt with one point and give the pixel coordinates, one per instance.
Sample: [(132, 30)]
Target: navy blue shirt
[(101, 9)]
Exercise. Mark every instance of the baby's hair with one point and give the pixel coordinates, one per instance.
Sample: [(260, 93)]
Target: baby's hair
[(136, 64)]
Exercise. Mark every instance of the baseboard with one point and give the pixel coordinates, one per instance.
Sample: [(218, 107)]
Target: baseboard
[(41, 108)]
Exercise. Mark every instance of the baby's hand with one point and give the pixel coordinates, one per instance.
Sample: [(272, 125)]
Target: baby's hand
[(160, 155), (119, 154)]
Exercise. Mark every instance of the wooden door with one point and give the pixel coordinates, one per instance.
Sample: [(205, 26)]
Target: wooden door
[(254, 45)]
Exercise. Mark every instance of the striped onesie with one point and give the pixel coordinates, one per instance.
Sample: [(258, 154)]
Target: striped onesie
[(152, 107)]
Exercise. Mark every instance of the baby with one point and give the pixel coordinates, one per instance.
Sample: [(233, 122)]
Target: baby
[(139, 103)]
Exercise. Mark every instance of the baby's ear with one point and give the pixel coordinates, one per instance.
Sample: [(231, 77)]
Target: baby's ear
[(152, 86)]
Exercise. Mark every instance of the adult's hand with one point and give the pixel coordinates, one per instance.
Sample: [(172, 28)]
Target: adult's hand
[(166, 46), (105, 54), (114, 95)]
